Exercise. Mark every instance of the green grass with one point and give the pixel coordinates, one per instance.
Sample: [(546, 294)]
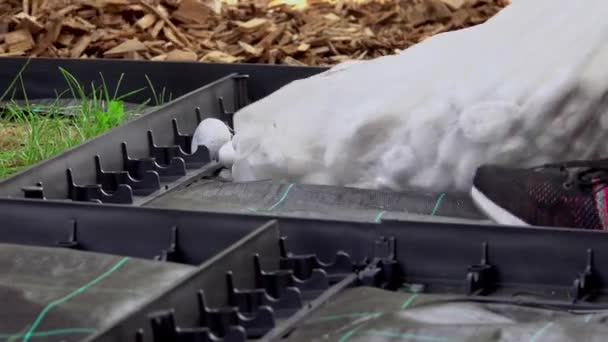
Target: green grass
[(30, 134)]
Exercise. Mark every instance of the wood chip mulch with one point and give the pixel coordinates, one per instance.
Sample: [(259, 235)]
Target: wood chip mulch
[(316, 32)]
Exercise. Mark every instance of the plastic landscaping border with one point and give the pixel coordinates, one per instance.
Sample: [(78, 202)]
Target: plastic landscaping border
[(42, 77)]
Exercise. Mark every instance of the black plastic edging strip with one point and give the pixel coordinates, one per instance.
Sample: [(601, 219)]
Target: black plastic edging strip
[(208, 277), (122, 230), (42, 78), (52, 172), (431, 252), (533, 257)]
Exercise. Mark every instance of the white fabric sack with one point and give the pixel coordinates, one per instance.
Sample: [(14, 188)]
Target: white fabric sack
[(526, 87)]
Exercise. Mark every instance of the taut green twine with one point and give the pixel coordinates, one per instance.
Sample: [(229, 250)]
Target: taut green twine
[(69, 296), (540, 332), (282, 197), (379, 216), (409, 301), (438, 204)]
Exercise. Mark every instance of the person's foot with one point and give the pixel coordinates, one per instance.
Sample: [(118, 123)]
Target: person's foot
[(570, 194)]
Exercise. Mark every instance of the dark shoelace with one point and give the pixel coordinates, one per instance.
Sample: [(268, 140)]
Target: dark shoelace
[(582, 173)]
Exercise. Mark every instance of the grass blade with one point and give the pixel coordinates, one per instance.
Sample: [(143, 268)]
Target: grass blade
[(152, 89), (12, 84)]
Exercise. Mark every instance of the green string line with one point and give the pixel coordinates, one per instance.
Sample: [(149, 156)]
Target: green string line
[(433, 212), (409, 301), (348, 335), (351, 315), (282, 197), (438, 203), (540, 332), (53, 332), (72, 294), (379, 216), (277, 203), (588, 318)]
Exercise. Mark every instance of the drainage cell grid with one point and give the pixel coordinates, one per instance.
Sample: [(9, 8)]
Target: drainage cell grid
[(211, 276)]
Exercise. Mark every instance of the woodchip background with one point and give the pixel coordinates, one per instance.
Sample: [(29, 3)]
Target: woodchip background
[(316, 32)]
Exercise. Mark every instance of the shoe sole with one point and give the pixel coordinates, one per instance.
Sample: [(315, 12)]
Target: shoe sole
[(494, 211)]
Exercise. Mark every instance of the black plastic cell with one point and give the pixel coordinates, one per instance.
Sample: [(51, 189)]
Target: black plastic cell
[(139, 167), (221, 320), (250, 300), (111, 180), (165, 155), (277, 281), (304, 265), (95, 193), (164, 329), (34, 191), (185, 140)]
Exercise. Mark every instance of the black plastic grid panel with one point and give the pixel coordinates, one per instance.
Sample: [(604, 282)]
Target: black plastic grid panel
[(477, 261), (318, 259), (75, 173), (148, 156)]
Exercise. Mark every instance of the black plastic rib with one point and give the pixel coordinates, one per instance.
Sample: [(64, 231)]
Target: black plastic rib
[(184, 140)]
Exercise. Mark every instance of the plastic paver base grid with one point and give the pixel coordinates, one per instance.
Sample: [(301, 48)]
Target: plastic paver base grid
[(130, 237)]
